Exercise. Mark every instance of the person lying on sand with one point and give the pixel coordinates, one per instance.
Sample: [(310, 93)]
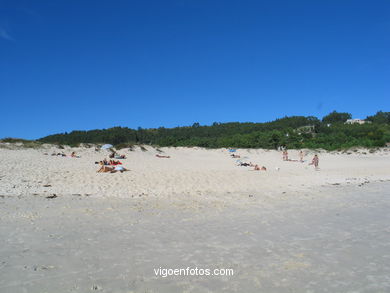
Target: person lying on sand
[(119, 168), (102, 163), (105, 169), (235, 156), (73, 155), (114, 163), (160, 156), (257, 168), (120, 157), (106, 163)]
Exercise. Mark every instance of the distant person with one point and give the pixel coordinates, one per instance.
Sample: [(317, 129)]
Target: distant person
[(315, 161), (160, 156), (258, 168), (285, 155), (301, 156)]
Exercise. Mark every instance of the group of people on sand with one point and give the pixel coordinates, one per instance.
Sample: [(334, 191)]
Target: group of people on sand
[(112, 166), (255, 166), (285, 156), (109, 163), (315, 161), (72, 155), (250, 164)]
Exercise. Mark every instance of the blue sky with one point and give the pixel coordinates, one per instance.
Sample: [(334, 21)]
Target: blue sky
[(78, 65)]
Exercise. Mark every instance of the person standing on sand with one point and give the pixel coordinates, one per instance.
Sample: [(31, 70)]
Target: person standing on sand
[(301, 155), (285, 155), (315, 161)]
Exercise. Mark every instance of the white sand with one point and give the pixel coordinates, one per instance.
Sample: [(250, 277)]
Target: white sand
[(189, 172), (292, 230)]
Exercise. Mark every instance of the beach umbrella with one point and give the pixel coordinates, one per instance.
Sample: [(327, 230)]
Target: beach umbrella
[(106, 146)]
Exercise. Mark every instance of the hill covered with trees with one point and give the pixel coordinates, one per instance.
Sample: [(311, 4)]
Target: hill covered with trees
[(292, 132)]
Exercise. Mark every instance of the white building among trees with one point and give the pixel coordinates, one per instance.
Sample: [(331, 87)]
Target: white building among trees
[(356, 121)]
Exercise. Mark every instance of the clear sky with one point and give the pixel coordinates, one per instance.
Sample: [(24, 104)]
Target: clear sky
[(78, 65)]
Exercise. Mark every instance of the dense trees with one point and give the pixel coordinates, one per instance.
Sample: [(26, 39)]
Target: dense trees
[(292, 132), (336, 117), (380, 117)]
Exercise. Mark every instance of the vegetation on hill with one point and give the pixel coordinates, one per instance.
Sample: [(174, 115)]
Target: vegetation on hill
[(292, 132), (22, 142)]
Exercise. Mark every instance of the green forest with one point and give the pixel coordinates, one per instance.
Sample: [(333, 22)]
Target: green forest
[(330, 133)]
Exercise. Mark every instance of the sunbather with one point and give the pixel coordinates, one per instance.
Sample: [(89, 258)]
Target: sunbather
[(120, 157), (119, 168), (104, 169), (160, 156), (73, 155), (258, 168)]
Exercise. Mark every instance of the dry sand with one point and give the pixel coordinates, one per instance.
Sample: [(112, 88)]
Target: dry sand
[(289, 229)]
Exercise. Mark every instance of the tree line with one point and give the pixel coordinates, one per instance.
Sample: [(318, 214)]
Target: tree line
[(329, 133)]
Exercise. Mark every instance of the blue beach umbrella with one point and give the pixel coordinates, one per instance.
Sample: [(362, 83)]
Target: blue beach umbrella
[(106, 146)]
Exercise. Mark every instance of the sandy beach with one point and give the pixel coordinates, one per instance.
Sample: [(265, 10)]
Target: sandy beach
[(67, 228)]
